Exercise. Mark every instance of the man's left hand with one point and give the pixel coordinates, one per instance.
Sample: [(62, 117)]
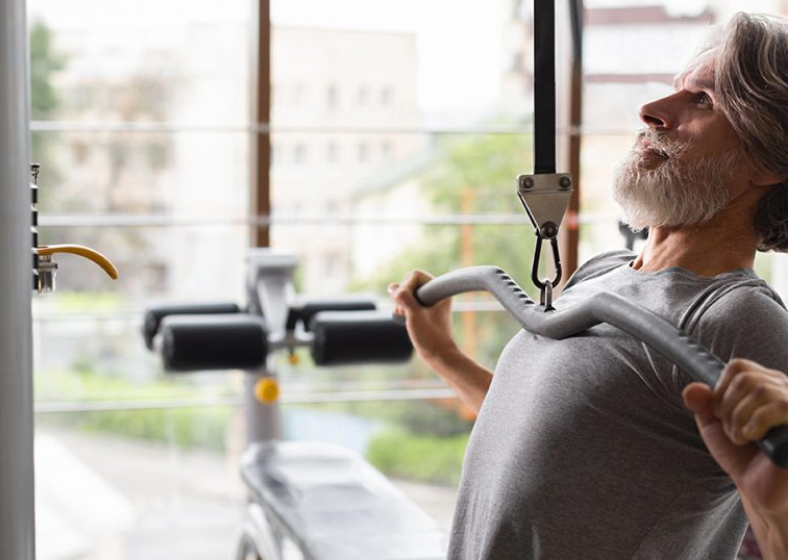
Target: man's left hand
[(747, 402)]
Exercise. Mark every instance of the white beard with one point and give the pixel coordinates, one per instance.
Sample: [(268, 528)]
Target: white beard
[(672, 192)]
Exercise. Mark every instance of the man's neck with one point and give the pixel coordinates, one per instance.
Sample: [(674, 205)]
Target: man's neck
[(725, 243)]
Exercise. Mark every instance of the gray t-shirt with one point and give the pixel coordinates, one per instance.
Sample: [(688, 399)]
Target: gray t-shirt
[(583, 448)]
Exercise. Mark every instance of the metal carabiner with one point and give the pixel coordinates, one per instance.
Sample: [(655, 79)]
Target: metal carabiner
[(546, 285)]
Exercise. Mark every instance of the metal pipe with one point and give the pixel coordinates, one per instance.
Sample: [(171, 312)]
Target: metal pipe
[(17, 522)]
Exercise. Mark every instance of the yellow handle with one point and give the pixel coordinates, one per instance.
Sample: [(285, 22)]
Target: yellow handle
[(86, 252)]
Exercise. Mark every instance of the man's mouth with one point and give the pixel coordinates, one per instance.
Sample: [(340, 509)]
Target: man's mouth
[(646, 147)]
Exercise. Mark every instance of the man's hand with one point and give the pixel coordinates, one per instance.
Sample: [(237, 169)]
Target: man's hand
[(429, 327), (748, 401), (430, 331)]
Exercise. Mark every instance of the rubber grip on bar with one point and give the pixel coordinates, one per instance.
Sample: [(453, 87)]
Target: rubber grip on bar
[(358, 337), (775, 445), (154, 315), (208, 342)]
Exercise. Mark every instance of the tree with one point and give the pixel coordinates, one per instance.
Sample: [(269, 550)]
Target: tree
[(45, 62), (474, 175)]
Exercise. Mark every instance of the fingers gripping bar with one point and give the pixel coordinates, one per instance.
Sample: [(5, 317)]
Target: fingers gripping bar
[(643, 324)]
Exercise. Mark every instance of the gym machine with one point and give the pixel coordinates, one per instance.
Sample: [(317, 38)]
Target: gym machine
[(545, 196), (326, 500)]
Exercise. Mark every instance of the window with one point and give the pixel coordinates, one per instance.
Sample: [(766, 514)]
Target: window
[(385, 149), (363, 96), (140, 125), (299, 155), (332, 97), (143, 129), (332, 152), (363, 152), (387, 96), (300, 95)]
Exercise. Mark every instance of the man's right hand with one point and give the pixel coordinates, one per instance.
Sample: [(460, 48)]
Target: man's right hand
[(429, 327), (431, 333)]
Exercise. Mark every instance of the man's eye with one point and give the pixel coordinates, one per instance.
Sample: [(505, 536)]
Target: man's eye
[(703, 99)]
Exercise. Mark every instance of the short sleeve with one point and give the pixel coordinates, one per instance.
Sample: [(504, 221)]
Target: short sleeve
[(748, 322)]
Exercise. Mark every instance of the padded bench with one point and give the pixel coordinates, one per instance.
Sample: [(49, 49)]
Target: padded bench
[(336, 506)]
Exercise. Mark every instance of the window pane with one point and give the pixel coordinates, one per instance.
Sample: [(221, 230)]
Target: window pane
[(145, 60)]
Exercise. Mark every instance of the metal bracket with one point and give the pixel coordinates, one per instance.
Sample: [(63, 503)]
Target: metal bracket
[(45, 275), (545, 198)]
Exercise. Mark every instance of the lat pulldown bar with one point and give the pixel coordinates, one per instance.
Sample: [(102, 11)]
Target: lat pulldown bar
[(545, 204)]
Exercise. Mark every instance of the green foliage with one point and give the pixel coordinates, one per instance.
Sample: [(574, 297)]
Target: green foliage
[(418, 457), (474, 175), (204, 428), (482, 167), (184, 427), (44, 63), (419, 417), (87, 302)]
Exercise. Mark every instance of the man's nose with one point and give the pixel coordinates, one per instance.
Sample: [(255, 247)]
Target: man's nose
[(657, 114)]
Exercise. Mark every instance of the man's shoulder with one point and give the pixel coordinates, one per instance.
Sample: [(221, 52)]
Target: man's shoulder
[(748, 321), (601, 264), (746, 298)]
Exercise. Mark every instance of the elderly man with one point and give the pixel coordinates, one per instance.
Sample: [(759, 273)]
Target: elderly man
[(597, 447)]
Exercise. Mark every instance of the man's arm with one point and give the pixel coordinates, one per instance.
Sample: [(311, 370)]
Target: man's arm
[(430, 331), (771, 531), (746, 403)]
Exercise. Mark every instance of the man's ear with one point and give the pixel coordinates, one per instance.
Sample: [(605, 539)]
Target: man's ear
[(759, 177), (766, 180)]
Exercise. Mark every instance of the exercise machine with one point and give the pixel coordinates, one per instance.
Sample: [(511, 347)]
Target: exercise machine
[(324, 500), (545, 196)]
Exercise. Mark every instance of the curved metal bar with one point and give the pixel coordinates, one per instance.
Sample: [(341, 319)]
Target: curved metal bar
[(643, 324)]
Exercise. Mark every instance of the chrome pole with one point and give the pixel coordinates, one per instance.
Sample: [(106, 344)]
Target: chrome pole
[(17, 522)]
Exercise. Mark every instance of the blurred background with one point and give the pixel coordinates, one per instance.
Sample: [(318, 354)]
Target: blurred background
[(396, 132)]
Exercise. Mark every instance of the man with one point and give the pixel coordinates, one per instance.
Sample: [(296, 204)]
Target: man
[(586, 447)]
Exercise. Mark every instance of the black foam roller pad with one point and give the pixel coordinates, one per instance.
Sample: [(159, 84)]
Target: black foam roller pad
[(305, 309), (201, 342), (154, 315), (358, 337)]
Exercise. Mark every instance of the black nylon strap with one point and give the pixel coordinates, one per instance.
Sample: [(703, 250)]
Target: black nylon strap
[(544, 87)]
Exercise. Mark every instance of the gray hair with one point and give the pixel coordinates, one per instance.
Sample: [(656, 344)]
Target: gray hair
[(751, 75)]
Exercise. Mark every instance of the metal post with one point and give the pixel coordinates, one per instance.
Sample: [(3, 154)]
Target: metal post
[(269, 285), (17, 522), (261, 142)]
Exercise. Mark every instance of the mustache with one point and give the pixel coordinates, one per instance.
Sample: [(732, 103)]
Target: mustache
[(658, 141)]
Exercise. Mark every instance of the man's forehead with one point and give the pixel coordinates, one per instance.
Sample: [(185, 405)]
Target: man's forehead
[(698, 75)]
